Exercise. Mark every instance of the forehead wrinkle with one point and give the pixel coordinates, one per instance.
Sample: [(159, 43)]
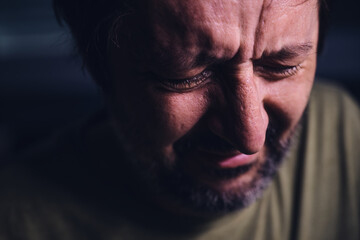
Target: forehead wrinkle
[(217, 29), (249, 13), (282, 8), (206, 37), (260, 24)]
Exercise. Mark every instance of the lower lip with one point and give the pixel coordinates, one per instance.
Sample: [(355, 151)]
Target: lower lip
[(235, 160)]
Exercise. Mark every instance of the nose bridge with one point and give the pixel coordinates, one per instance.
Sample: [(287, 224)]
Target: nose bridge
[(247, 119)]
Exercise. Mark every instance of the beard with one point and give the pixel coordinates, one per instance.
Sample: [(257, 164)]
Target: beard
[(177, 188)]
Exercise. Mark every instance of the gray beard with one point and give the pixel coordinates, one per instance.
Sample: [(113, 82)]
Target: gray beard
[(178, 189)]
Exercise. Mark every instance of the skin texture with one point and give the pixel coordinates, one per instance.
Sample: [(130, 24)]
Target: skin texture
[(258, 59)]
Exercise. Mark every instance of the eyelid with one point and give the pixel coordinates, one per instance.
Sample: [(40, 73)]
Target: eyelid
[(273, 71), (204, 74), (186, 84)]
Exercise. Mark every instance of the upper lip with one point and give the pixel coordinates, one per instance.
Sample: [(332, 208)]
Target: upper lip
[(215, 144), (227, 153), (209, 143)]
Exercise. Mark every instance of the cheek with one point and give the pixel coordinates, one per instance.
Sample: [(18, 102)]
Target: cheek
[(149, 118), (293, 102), (177, 114), (288, 99)]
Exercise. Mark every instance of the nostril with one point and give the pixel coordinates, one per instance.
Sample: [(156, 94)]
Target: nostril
[(255, 144), (248, 132), (228, 135)]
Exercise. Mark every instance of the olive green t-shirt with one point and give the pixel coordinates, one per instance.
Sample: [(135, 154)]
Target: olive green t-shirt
[(56, 191)]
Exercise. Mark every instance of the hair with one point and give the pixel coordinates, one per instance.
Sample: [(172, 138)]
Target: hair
[(93, 26)]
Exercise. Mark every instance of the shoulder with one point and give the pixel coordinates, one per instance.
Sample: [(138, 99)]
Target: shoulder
[(329, 165), (41, 188), (333, 97), (334, 117), (333, 127), (334, 110)]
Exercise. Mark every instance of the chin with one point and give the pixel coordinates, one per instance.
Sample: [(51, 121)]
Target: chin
[(217, 190)]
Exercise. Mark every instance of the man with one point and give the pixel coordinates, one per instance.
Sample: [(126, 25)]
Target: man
[(205, 100)]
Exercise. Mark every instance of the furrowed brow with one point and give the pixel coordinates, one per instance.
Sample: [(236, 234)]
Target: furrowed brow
[(203, 59), (289, 52)]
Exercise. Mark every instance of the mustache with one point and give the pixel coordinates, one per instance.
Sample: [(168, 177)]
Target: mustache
[(209, 140), (206, 140)]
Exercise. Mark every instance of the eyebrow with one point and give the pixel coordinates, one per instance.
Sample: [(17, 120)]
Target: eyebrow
[(288, 52), (285, 53)]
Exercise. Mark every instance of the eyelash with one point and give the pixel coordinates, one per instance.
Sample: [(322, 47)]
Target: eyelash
[(278, 71), (187, 84)]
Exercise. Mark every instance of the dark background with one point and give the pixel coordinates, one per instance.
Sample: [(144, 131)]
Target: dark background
[(43, 88)]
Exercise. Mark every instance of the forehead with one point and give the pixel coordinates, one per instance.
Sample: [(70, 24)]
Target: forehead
[(233, 12), (182, 31)]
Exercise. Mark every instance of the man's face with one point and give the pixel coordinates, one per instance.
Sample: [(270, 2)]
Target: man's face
[(206, 95)]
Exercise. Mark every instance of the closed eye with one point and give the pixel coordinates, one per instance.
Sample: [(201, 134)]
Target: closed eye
[(186, 84), (276, 71)]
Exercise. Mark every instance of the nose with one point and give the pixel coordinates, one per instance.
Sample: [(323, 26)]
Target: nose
[(243, 121)]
